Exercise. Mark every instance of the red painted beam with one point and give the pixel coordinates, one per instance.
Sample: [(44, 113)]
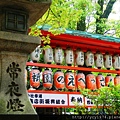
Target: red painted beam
[(81, 39), (71, 67), (84, 47)]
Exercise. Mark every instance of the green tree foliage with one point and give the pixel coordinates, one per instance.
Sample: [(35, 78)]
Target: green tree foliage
[(106, 97), (84, 15), (102, 15), (67, 14), (61, 15)]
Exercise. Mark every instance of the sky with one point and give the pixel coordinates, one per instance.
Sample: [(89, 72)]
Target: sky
[(116, 9)]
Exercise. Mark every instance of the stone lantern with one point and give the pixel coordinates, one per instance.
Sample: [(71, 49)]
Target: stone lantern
[(16, 16)]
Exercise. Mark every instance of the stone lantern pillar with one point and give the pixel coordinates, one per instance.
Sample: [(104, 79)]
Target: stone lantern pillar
[(15, 18)]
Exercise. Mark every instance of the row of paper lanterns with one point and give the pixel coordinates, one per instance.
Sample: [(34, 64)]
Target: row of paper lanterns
[(88, 58), (70, 80)]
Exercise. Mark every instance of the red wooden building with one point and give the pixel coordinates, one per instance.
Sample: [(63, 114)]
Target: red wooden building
[(73, 39)]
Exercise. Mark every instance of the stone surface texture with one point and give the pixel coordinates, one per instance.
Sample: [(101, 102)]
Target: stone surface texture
[(15, 42), (7, 58), (14, 48), (35, 8)]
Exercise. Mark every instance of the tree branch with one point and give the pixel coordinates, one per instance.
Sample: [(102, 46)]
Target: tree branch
[(108, 9)]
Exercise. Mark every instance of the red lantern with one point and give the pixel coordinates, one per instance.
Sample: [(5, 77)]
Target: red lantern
[(48, 55), (108, 61), (109, 79), (79, 57), (69, 56), (70, 80), (89, 59), (117, 80), (90, 81), (100, 81), (80, 80), (25, 75), (116, 62), (59, 80), (35, 78), (47, 79), (99, 60), (59, 55)]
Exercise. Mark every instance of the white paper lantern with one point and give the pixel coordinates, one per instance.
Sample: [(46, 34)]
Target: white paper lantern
[(108, 61), (69, 58), (79, 57), (59, 55), (35, 55), (89, 59), (48, 55), (116, 62), (99, 61)]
